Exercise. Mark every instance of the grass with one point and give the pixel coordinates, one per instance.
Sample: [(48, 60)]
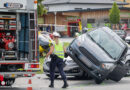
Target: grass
[(66, 44), (41, 61)]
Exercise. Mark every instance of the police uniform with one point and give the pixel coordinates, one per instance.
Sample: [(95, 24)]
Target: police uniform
[(57, 60)]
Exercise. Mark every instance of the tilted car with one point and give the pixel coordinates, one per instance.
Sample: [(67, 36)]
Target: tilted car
[(101, 53)]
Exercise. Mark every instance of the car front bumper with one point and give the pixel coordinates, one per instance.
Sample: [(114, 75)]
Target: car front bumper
[(93, 70)]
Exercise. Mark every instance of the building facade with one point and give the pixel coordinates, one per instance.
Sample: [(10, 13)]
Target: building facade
[(70, 17), (127, 1)]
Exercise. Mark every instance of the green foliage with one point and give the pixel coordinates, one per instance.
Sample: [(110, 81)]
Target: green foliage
[(40, 8), (39, 1), (114, 14)]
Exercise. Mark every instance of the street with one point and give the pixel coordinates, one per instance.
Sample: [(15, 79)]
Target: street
[(41, 82)]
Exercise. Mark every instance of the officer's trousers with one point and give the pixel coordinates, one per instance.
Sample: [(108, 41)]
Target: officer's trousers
[(58, 62)]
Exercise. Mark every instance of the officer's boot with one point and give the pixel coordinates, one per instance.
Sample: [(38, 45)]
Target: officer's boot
[(65, 84), (51, 84)]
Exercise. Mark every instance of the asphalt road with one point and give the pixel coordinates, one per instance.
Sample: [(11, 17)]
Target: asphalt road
[(41, 82)]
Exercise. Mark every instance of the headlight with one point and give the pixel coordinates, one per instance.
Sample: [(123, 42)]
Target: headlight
[(107, 65)]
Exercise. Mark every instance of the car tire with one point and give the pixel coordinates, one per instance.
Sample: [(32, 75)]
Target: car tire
[(88, 77), (128, 64), (97, 81), (84, 76), (9, 82), (56, 76)]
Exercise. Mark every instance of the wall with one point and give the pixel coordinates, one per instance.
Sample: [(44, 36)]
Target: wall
[(98, 15), (50, 19)]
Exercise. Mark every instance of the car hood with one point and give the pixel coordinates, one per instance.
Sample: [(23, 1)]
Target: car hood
[(93, 48)]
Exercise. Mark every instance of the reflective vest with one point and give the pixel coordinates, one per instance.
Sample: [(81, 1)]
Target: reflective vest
[(59, 51)]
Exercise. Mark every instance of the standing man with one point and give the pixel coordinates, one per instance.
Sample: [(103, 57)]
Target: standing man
[(57, 54)]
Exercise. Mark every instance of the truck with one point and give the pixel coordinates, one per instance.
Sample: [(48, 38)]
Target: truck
[(19, 49)]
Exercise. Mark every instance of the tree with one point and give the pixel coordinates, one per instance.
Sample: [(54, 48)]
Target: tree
[(114, 14), (40, 8)]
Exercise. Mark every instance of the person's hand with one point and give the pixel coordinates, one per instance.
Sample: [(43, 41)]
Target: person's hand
[(47, 56)]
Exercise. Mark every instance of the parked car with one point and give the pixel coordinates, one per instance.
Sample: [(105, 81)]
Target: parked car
[(70, 68), (100, 53), (121, 33), (127, 39)]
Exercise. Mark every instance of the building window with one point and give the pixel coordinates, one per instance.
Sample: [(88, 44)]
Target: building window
[(90, 23), (107, 23), (106, 20), (78, 8), (90, 20)]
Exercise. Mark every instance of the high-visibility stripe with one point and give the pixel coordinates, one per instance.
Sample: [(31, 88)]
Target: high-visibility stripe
[(59, 52)]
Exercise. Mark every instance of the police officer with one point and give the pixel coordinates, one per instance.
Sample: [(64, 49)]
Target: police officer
[(57, 54)]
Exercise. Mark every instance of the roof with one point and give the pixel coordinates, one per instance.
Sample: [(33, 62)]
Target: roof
[(52, 2), (89, 10)]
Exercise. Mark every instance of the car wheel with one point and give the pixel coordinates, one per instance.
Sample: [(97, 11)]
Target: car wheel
[(128, 64), (9, 82), (98, 81), (84, 76), (81, 76), (56, 76), (88, 77)]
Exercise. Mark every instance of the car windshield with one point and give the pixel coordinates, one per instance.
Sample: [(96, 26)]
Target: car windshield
[(103, 40)]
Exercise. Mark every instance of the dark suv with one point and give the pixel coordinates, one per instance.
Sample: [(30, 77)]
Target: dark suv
[(101, 53)]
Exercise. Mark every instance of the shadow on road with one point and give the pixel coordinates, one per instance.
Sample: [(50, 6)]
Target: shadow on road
[(84, 81), (12, 88)]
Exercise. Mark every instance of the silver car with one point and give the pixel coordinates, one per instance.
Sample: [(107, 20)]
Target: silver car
[(70, 68)]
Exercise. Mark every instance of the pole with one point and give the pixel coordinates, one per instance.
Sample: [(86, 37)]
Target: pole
[(55, 19)]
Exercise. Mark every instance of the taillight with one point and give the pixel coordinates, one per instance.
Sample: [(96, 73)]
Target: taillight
[(3, 83), (34, 66)]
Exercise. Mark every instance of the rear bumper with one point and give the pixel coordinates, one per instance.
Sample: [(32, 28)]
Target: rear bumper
[(17, 74)]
